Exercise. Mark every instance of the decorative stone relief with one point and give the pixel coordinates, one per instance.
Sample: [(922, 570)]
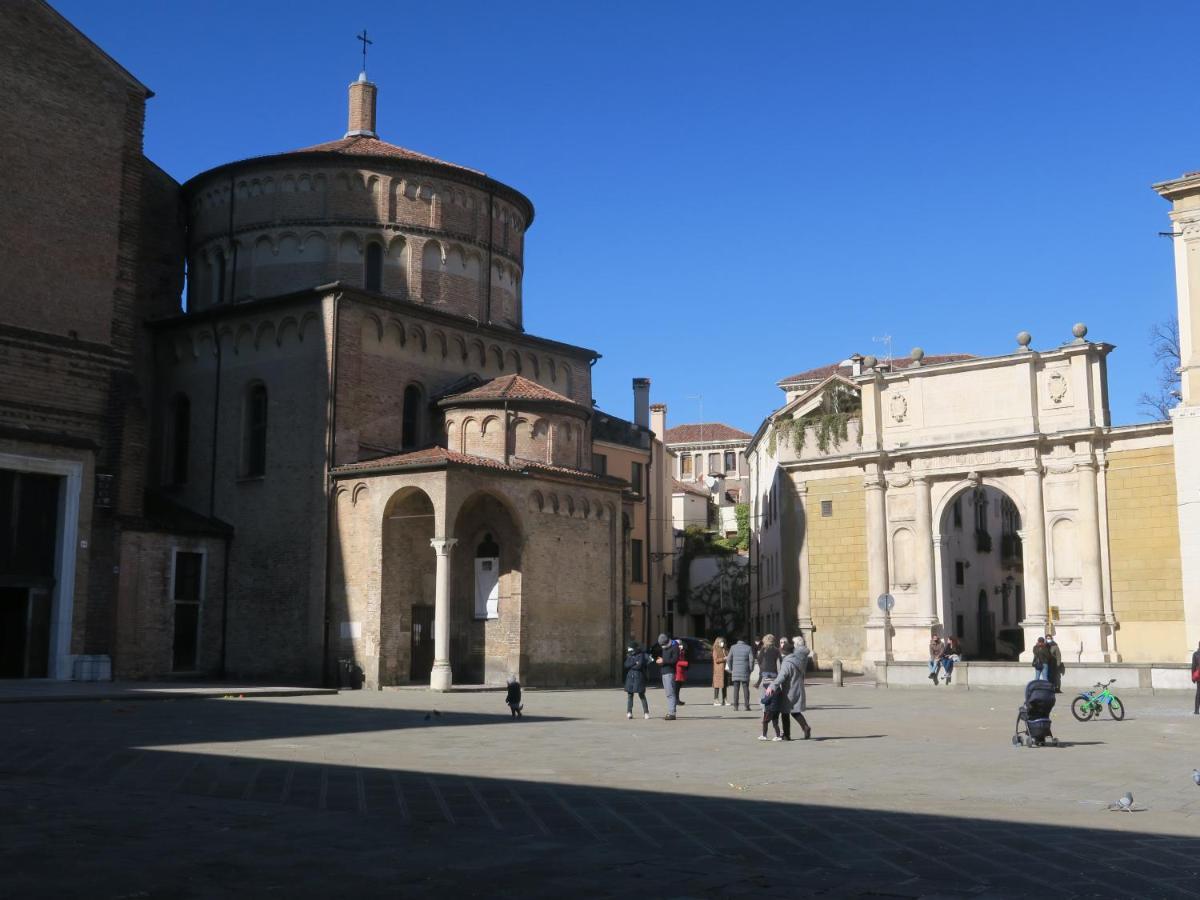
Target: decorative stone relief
[(1057, 388), (899, 408)]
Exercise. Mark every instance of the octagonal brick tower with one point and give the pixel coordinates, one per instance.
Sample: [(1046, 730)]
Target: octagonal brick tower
[(361, 211)]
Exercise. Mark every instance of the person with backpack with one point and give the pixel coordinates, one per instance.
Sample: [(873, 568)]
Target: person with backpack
[(1042, 659), (637, 662)]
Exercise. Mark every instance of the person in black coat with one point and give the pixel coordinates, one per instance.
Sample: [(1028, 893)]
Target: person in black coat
[(636, 664)]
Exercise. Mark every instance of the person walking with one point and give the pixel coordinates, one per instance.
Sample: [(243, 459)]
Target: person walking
[(1195, 677), (1056, 663), (741, 660), (637, 662), (789, 684), (719, 674), (670, 656), (935, 655)]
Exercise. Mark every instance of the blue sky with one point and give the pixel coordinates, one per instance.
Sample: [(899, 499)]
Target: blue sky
[(730, 194)]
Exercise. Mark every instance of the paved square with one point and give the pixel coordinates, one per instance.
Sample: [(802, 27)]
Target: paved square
[(903, 793)]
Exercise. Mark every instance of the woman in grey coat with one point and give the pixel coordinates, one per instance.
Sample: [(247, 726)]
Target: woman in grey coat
[(790, 683)]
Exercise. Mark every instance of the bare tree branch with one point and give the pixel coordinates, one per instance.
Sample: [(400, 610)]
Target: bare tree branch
[(1164, 342)]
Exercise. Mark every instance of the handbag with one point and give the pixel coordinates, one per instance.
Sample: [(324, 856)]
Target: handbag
[(1196, 675)]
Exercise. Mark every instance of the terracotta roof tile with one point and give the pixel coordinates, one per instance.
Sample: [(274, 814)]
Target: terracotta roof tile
[(416, 458), (682, 487), (703, 432), (360, 145), (822, 372), (508, 387), (429, 454)]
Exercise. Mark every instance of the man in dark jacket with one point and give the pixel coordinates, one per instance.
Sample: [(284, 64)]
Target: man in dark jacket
[(1042, 659), (1056, 663), (666, 661), (741, 661)]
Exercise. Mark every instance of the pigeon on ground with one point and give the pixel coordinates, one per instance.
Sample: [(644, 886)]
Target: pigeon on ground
[(1196, 776), (1125, 803)]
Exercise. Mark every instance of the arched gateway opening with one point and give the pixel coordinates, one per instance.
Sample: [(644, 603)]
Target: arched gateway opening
[(983, 592), (406, 591), (485, 591)]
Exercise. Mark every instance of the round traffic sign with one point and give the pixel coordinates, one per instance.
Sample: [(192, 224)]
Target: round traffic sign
[(886, 602)]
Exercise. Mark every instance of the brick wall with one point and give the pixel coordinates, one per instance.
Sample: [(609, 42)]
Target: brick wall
[(1143, 540), (837, 551)]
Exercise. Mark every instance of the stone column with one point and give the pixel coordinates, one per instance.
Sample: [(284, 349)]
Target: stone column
[(440, 679), (1092, 590), (804, 592), (940, 543), (878, 625), (1033, 551), (926, 573)]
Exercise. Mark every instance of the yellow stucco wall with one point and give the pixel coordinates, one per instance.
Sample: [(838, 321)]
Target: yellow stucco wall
[(1143, 537), (837, 554)]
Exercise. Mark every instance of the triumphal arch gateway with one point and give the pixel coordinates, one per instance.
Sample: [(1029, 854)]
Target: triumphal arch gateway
[(989, 496)]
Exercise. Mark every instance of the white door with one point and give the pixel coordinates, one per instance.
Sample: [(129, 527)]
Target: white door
[(487, 587)]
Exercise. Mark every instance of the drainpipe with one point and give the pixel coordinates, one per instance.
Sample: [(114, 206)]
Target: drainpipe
[(225, 606), (649, 545), (507, 425), (330, 449)]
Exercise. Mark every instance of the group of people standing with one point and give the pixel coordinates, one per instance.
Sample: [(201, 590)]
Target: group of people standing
[(777, 667)]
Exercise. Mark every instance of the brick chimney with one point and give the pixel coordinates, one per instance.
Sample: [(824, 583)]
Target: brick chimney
[(641, 402), (362, 108)]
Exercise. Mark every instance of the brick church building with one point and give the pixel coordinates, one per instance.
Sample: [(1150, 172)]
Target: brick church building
[(346, 449)]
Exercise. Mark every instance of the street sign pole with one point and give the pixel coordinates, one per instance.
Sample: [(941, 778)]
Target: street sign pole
[(885, 604)]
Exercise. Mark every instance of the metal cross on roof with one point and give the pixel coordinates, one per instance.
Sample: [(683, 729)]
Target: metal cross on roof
[(365, 41)]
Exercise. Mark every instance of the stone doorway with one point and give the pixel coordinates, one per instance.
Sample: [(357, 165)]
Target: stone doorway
[(485, 607), (406, 587), (982, 571)]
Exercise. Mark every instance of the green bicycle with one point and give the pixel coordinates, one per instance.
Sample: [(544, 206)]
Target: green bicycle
[(1090, 703)]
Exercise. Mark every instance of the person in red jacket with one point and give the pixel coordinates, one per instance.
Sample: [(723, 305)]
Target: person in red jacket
[(681, 666)]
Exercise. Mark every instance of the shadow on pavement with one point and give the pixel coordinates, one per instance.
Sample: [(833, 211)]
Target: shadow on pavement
[(150, 823)]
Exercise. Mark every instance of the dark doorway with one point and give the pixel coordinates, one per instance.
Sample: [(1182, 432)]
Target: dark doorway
[(987, 628), (422, 643), (24, 633)]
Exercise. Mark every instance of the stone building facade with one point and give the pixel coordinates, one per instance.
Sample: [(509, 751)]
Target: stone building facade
[(348, 366), (92, 246)]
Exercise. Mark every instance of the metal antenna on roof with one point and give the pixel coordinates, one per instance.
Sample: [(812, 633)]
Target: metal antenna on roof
[(886, 340), (365, 41)]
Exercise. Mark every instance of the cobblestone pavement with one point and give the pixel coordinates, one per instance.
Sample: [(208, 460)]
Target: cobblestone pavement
[(901, 793)]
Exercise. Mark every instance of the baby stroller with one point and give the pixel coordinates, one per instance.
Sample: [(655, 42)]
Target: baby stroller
[(1033, 718)]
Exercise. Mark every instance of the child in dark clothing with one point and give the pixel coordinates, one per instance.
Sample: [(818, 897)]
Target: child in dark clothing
[(770, 711), (513, 698)]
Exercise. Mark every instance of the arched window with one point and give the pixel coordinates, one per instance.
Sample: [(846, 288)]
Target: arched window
[(410, 428), (254, 432), (219, 286), (177, 445), (373, 277)]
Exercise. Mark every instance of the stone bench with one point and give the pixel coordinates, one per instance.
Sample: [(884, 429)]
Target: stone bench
[(1131, 677)]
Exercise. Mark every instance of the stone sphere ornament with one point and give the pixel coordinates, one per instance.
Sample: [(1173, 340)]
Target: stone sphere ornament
[(1024, 339), (1079, 330), (917, 354), (870, 362)]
